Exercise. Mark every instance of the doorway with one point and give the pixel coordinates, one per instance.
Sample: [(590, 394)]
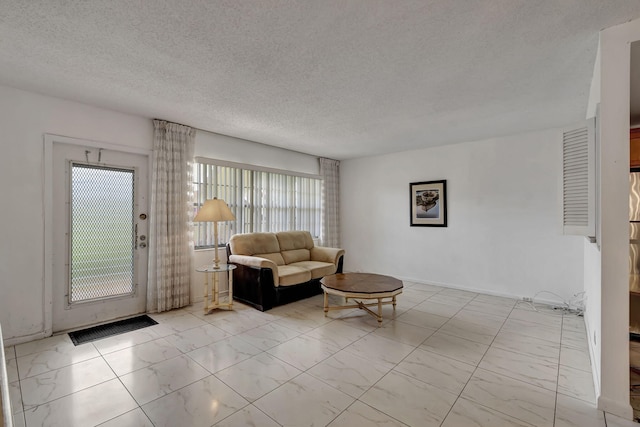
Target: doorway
[(99, 234)]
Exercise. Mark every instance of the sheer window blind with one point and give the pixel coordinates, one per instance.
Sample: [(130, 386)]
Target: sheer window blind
[(261, 200)]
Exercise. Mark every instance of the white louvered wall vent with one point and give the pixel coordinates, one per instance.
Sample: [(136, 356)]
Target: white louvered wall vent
[(578, 180)]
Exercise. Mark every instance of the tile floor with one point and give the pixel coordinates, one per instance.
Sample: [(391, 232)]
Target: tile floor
[(445, 358)]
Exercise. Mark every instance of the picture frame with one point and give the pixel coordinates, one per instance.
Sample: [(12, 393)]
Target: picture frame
[(428, 203)]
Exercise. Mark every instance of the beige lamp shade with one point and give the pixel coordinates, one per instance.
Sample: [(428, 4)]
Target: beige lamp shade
[(214, 210)]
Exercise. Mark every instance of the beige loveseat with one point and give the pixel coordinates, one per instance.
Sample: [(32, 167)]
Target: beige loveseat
[(277, 268)]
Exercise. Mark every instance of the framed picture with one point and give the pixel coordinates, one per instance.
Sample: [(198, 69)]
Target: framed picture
[(428, 203)]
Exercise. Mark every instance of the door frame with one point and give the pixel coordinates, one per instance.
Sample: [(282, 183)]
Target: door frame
[(49, 141)]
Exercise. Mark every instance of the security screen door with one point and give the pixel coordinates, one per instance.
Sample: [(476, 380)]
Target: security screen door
[(99, 237)]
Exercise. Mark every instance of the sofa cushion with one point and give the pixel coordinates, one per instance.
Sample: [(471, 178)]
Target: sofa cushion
[(254, 243), (318, 269), (292, 275), (296, 255), (276, 257), (290, 240)]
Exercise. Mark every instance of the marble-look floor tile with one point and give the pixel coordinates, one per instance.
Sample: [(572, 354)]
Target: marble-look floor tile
[(135, 418), (575, 358), (56, 358), (38, 346), (12, 370), (424, 287), (202, 403), (268, 336), (438, 309), (439, 371), (576, 383), (409, 400), (349, 373), (470, 414), (380, 350), (361, 415), (304, 401), (195, 338), (306, 321), (573, 323), (140, 356), (422, 319), (488, 320), (52, 385), (459, 293), (532, 330), (460, 301), (224, 353), (257, 376), (415, 296), (470, 330), (157, 380), (571, 412), (495, 300), (18, 420), (337, 333), (238, 324), (546, 319), (521, 367), (9, 352), (456, 348), (489, 308), (530, 346), (575, 340), (361, 319), (91, 406), (615, 421), (404, 333), (517, 399), (15, 395), (182, 322), (119, 342), (303, 352), (248, 416)]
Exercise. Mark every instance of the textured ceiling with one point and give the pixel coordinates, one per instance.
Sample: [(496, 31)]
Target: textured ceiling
[(335, 78)]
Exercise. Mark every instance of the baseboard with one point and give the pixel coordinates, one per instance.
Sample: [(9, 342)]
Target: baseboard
[(20, 340), (623, 410)]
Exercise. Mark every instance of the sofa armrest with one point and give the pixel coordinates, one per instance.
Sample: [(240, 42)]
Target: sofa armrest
[(324, 254), (256, 262)]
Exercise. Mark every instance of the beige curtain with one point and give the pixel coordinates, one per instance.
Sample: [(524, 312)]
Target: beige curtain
[(330, 172), (169, 242)]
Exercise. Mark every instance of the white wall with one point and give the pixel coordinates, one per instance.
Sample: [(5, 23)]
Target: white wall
[(24, 118), (615, 91), (503, 235)]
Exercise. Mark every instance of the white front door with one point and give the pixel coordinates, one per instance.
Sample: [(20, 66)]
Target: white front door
[(99, 239)]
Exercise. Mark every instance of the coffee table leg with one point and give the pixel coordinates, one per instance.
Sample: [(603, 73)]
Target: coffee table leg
[(379, 311), (394, 302), (326, 304)]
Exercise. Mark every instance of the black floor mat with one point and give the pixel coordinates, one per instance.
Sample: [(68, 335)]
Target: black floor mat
[(110, 329)]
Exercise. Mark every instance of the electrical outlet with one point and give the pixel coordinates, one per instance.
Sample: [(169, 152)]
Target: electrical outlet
[(527, 299)]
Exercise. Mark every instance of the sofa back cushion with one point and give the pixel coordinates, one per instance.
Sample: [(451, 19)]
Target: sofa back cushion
[(264, 245), (290, 240), (295, 246)]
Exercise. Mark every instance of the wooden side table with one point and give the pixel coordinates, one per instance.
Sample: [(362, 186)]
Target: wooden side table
[(212, 281)]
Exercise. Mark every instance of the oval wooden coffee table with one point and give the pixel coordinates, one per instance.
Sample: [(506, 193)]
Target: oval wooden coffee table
[(361, 286)]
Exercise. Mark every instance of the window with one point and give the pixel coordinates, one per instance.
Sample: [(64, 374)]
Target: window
[(262, 200)]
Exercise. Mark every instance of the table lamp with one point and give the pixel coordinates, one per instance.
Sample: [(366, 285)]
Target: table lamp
[(214, 210)]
